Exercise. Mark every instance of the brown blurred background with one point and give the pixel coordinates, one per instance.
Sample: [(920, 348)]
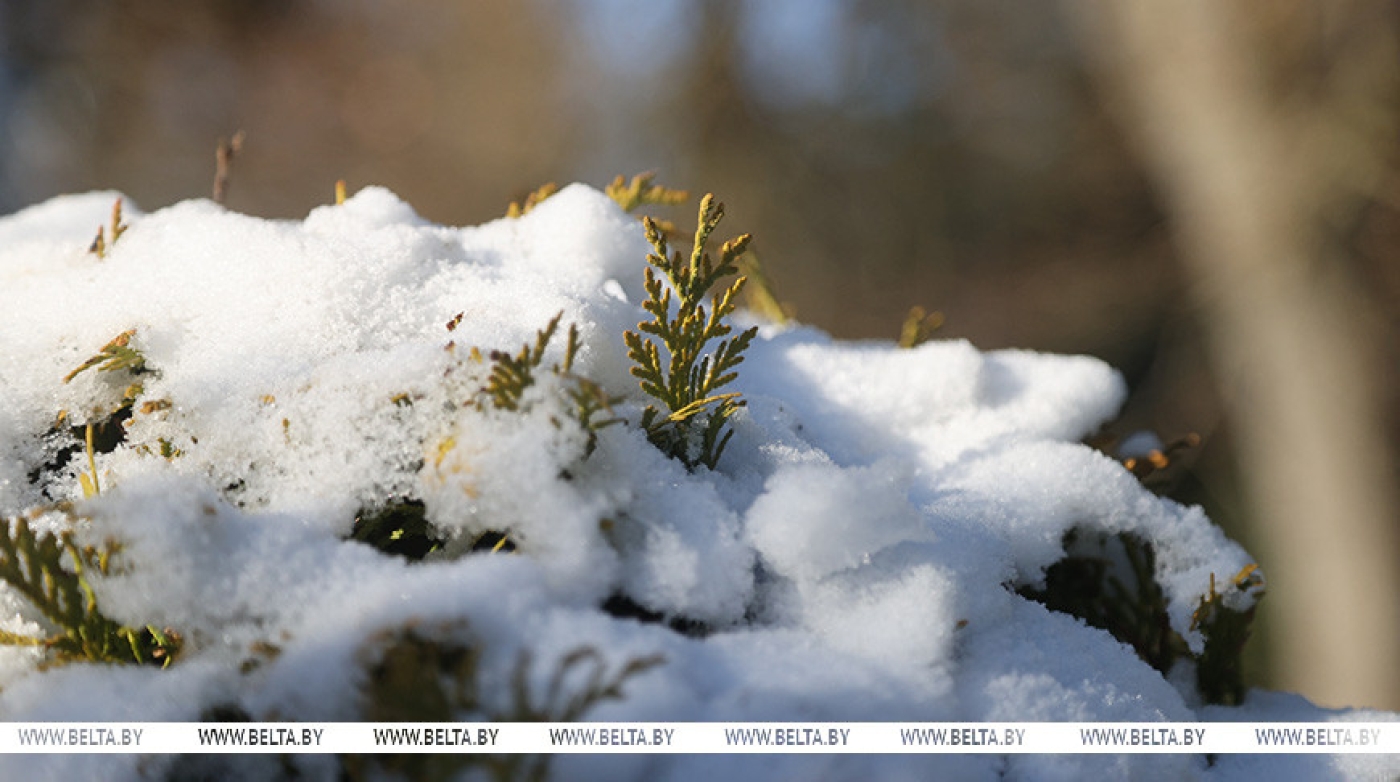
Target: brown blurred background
[(1204, 194)]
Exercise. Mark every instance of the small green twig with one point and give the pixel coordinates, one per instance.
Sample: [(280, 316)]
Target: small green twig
[(641, 192), (32, 565), (692, 371)]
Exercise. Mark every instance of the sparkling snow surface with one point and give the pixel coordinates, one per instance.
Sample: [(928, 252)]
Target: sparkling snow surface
[(855, 552)]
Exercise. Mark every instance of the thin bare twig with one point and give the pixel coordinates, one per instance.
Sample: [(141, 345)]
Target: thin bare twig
[(223, 158)]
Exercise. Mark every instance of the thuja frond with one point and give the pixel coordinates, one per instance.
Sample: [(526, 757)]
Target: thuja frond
[(918, 327), (589, 398), (1219, 672), (32, 565), (420, 678), (516, 209), (511, 375), (641, 192), (402, 528), (1110, 582), (591, 403), (101, 242), (115, 355), (427, 675), (560, 703), (691, 425)]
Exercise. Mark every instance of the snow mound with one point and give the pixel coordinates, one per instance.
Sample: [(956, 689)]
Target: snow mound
[(863, 551)]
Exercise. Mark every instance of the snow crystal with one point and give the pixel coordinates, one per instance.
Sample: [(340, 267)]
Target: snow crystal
[(857, 554)]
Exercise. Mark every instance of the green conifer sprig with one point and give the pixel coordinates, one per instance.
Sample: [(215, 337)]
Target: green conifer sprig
[(688, 380), (117, 355), (534, 199), (641, 192), (401, 526), (1110, 582), (511, 375), (101, 242), (560, 703), (1219, 667), (32, 564), (918, 327), (589, 398), (114, 356), (420, 677)]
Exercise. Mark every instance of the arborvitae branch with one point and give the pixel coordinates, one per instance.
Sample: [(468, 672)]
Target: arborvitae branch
[(32, 565), (101, 243), (1110, 582), (422, 679), (687, 383), (561, 706), (511, 375), (532, 200), (115, 355), (918, 327), (641, 192), (628, 195)]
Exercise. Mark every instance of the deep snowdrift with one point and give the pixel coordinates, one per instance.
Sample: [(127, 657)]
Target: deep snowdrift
[(855, 556)]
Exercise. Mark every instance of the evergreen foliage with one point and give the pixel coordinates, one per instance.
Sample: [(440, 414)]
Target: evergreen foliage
[(641, 191), (539, 194), (32, 565), (918, 327), (101, 242), (401, 527), (690, 425), (116, 355), (511, 375), (420, 678), (1093, 584), (683, 357), (1219, 676)]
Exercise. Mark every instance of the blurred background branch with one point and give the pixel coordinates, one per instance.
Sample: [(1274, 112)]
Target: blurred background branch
[(1212, 207)]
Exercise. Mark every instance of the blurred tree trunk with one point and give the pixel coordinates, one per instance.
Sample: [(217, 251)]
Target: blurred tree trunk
[(1264, 124)]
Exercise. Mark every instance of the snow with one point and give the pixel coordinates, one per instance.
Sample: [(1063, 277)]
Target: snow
[(854, 556)]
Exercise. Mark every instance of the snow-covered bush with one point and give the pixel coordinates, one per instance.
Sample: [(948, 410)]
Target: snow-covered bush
[(365, 467)]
